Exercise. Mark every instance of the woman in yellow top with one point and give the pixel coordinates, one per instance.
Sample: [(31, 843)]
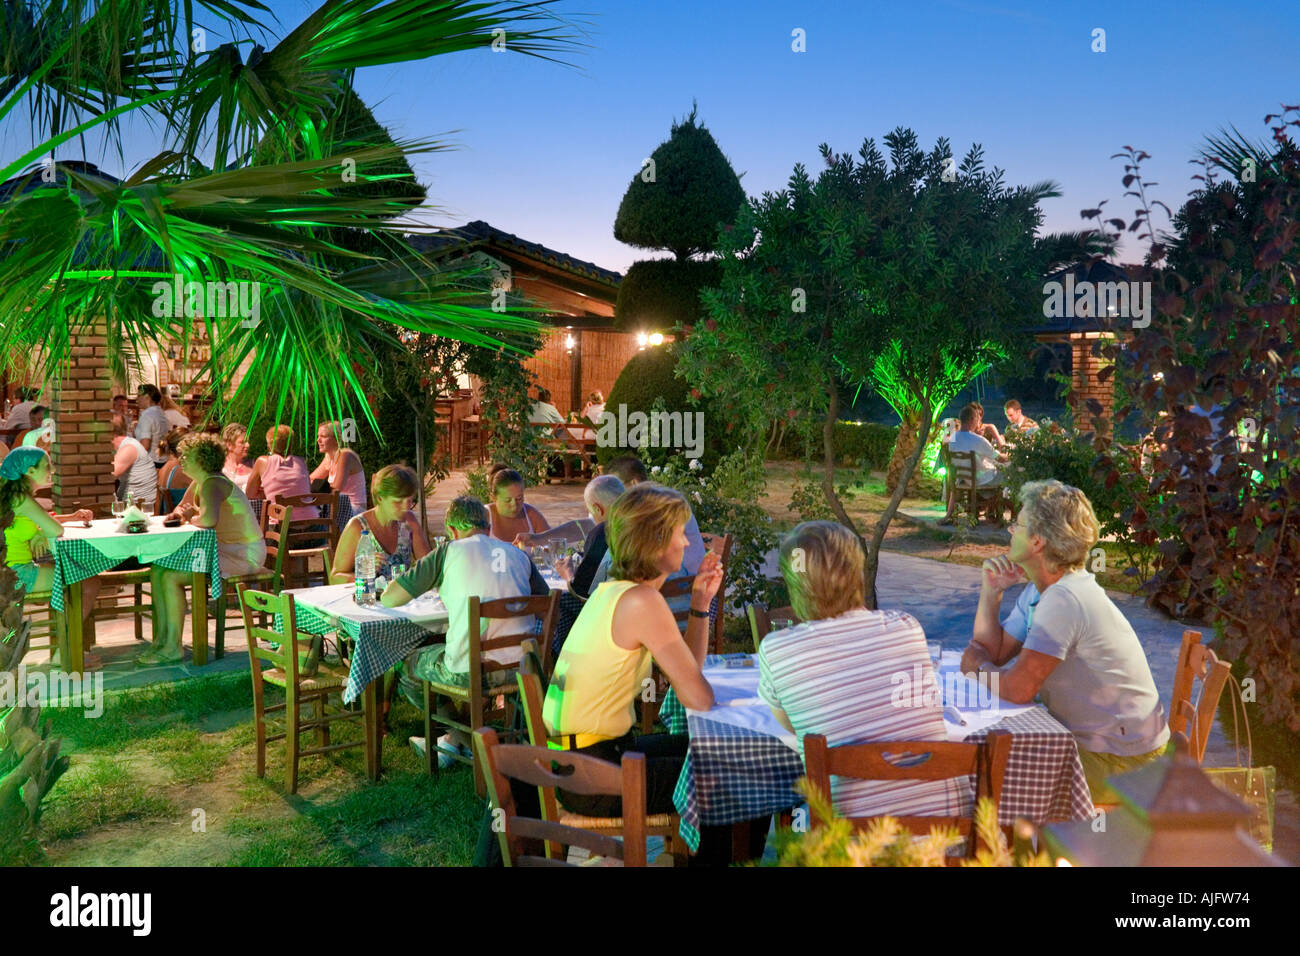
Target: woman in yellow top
[(591, 701), (27, 526)]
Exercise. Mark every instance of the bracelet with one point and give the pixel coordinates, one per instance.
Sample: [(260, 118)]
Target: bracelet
[(695, 613)]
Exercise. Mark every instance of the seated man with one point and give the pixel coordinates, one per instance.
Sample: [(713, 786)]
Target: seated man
[(835, 673), (1066, 641), (544, 413), (1018, 423), (38, 435), (987, 457), (471, 563)]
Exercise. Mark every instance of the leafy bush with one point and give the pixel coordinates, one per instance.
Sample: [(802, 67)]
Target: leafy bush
[(648, 383), (860, 444), (724, 503), (659, 294)]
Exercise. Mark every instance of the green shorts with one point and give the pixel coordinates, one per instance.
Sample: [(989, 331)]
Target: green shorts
[(27, 575), (1097, 767)]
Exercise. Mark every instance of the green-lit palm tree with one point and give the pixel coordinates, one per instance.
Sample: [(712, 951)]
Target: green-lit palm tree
[(256, 180)]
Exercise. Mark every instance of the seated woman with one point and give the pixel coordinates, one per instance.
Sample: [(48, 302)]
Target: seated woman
[(511, 516), (834, 674), (172, 480), (390, 522), (28, 527), (236, 467), (1065, 639), (132, 466), (277, 474), (219, 504), (624, 627), (340, 467)]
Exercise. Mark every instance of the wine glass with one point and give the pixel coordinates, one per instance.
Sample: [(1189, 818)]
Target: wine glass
[(118, 507)]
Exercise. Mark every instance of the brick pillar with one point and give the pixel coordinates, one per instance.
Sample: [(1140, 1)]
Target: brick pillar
[(83, 449), (1087, 365)]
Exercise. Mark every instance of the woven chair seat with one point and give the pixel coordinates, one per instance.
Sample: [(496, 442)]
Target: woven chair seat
[(653, 821), (329, 677), (456, 690)]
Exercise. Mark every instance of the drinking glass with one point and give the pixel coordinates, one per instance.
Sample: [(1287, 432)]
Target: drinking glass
[(781, 623), (439, 540), (118, 507), (544, 557), (936, 652)]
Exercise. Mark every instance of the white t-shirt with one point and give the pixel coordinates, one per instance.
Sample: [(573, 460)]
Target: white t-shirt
[(20, 415), (986, 456), (477, 565), (152, 425), (176, 419), (141, 479), (1102, 690)]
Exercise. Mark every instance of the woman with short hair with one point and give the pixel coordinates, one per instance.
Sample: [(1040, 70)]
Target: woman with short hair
[(511, 515), (278, 474), (391, 523), (219, 504), (838, 672), (624, 627), (1065, 640)]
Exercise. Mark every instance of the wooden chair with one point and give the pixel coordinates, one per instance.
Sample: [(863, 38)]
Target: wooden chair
[(271, 577), (578, 773), (721, 545), (672, 588), (500, 686), (532, 693), (136, 580), (965, 491), (296, 524), (299, 690), (761, 618), (927, 760), (1194, 721), (47, 633), (472, 445)]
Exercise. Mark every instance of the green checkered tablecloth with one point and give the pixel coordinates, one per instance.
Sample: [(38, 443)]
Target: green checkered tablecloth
[(85, 552)]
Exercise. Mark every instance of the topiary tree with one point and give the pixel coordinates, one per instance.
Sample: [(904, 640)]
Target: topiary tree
[(683, 193)]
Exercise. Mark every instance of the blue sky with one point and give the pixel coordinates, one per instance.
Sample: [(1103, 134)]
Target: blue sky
[(546, 152)]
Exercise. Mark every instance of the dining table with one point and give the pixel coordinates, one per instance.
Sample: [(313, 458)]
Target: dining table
[(85, 550), (380, 637), (742, 765)]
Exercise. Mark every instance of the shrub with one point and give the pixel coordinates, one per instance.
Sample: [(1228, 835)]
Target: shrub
[(663, 293), (724, 503), (858, 444)]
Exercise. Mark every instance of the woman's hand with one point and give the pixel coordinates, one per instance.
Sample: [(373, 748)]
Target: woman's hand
[(707, 581), (83, 514), (1001, 573), (524, 539), (564, 568), (39, 547), (186, 510)]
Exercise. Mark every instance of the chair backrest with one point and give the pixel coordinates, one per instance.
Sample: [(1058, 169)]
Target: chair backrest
[(319, 512), (1182, 679), (284, 655), (542, 606), (1194, 721), (676, 588), (297, 528), (913, 760), (576, 773), (721, 545), (761, 618)]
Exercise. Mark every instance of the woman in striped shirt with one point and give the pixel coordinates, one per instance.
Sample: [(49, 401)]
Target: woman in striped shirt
[(838, 673)]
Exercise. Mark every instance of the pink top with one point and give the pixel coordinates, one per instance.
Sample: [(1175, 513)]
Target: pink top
[(284, 476), (353, 486)]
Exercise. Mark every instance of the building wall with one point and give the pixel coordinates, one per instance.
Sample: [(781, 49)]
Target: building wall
[(1086, 385), (602, 357), (83, 449)]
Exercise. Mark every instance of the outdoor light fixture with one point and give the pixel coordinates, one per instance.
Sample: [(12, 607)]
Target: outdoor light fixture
[(656, 339), (642, 339), (569, 342)]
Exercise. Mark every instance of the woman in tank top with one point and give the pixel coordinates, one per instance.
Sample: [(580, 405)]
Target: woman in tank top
[(624, 627), (390, 522), (510, 515), (222, 506), (133, 467), (172, 480), (340, 466)]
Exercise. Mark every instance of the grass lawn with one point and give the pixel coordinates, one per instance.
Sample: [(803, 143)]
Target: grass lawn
[(166, 776)]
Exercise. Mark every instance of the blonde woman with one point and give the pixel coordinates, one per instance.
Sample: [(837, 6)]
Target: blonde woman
[(836, 672), (236, 468), (624, 627), (340, 467), (1065, 639), (278, 474)]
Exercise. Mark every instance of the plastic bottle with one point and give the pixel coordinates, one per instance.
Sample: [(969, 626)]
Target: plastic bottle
[(364, 568)]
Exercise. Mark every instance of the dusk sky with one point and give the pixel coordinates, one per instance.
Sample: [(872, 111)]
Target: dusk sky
[(546, 152)]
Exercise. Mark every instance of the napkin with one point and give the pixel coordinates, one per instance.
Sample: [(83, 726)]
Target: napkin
[(132, 514)]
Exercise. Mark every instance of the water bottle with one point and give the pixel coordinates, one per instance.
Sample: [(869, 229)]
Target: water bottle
[(364, 570)]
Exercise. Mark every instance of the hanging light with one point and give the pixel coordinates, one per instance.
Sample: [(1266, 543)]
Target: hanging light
[(569, 342)]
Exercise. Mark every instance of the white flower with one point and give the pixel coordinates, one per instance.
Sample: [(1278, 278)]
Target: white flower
[(655, 470), (695, 464), (695, 495)]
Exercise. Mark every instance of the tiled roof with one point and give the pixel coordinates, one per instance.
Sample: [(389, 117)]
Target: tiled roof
[(479, 233)]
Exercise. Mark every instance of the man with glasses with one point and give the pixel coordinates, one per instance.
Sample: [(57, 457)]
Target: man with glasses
[(1065, 640)]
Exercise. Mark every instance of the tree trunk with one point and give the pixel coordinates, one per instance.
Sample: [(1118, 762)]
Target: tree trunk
[(833, 499), (891, 509), (908, 431)]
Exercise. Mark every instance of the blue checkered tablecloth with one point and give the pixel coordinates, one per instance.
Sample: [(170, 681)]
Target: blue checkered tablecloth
[(86, 552), (381, 636), (733, 773)]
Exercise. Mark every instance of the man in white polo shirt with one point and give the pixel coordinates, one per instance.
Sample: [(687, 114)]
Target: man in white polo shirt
[(1066, 641), (472, 563), (986, 456)]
